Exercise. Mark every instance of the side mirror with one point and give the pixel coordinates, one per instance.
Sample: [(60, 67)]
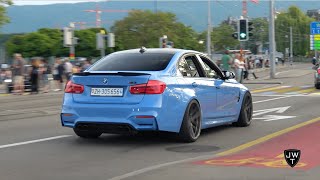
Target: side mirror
[(229, 75)]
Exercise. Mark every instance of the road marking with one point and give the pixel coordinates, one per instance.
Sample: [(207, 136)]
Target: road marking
[(282, 72), (265, 111), (151, 168), (282, 97), (266, 138), (289, 89), (269, 89), (33, 141), (309, 90), (267, 118)]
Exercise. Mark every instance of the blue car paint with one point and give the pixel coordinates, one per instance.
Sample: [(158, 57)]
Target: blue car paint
[(218, 105)]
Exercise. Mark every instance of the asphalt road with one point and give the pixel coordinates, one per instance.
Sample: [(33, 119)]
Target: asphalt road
[(33, 145)]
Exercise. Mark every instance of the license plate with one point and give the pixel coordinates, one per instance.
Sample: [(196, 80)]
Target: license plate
[(106, 91)]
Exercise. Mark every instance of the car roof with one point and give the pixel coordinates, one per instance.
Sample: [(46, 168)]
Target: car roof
[(155, 50)]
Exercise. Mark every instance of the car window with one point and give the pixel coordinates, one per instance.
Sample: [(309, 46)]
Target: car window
[(209, 72), (133, 62), (187, 67)]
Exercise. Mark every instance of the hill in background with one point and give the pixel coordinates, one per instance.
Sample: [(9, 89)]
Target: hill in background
[(192, 13)]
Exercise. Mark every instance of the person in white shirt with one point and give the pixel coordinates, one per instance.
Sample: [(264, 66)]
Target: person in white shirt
[(68, 69), (239, 67)]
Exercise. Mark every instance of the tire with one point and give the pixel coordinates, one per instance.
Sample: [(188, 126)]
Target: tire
[(87, 134), (246, 111), (191, 125), (317, 86)]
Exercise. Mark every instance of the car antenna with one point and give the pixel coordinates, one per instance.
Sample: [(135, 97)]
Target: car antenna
[(142, 49)]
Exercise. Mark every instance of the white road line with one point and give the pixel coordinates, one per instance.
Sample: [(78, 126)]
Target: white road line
[(150, 168), (256, 102), (33, 141)]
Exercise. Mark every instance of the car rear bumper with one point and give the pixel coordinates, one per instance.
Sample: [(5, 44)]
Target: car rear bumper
[(110, 116)]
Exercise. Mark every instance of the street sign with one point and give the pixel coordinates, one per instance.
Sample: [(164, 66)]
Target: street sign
[(315, 42), (315, 28), (315, 36)]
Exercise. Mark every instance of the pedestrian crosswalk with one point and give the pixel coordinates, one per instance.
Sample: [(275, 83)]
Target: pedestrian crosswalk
[(288, 90)]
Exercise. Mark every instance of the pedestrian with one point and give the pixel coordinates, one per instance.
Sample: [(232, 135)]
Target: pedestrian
[(282, 61), (34, 76), (239, 67), (58, 71), (246, 68), (250, 66), (18, 73), (68, 69), (86, 65), (314, 60), (226, 61), (45, 71)]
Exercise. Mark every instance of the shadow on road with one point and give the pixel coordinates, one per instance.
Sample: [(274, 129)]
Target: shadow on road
[(146, 138)]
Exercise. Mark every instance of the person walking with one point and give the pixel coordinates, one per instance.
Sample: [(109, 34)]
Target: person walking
[(314, 60), (58, 71), (226, 61), (68, 69), (239, 67), (34, 76), (45, 71), (250, 69), (18, 74)]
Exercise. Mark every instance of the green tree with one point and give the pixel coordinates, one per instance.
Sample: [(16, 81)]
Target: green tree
[(299, 22), (86, 46), (56, 38), (260, 34), (144, 28), (222, 37), (3, 18)]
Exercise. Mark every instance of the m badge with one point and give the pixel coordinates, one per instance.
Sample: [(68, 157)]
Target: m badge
[(292, 156)]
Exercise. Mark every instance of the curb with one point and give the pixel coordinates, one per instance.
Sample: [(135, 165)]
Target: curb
[(263, 82)]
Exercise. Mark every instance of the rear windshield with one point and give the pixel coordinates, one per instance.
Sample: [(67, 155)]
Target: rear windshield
[(133, 62)]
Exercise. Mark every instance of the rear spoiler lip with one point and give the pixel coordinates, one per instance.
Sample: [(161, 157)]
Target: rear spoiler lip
[(114, 74)]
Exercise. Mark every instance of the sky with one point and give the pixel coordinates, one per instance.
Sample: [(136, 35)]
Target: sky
[(42, 2)]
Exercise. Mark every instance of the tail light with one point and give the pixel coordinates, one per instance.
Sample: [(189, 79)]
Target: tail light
[(152, 87), (318, 71), (74, 88)]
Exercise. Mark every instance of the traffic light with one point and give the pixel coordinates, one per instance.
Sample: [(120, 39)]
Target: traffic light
[(111, 40), (250, 28), (100, 41), (67, 37), (243, 30)]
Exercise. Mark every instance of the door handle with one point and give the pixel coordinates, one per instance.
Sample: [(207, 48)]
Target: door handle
[(194, 84), (218, 87)]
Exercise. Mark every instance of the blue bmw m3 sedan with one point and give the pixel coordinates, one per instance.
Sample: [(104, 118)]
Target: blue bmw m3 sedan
[(172, 90)]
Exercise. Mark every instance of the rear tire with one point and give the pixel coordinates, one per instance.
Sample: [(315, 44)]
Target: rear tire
[(87, 134), (191, 125), (246, 111), (317, 86)]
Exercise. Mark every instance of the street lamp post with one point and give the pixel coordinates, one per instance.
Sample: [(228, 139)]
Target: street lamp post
[(209, 30), (272, 41)]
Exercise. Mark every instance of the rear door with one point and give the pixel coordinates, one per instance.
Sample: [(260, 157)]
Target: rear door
[(228, 95), (193, 74)]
